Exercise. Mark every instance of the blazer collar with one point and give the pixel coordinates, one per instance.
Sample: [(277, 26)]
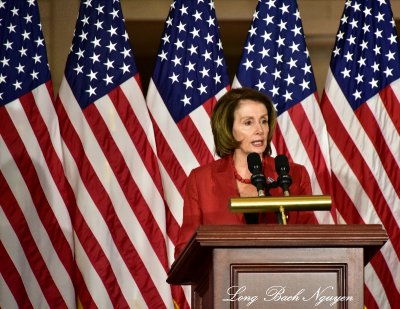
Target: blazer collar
[(226, 177)]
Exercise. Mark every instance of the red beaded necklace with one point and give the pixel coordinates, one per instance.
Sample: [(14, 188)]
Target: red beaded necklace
[(238, 177)]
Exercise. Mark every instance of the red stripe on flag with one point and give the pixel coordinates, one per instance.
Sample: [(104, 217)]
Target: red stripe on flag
[(56, 170), (369, 300), (60, 244), (172, 226), (364, 175), (311, 145), (138, 135), (209, 105), (279, 143), (350, 214), (392, 105), (12, 277), (195, 141), (125, 179), (106, 208), (169, 161), (22, 230), (176, 174), (179, 297), (372, 129), (138, 81), (89, 242), (130, 120), (385, 276), (25, 164)]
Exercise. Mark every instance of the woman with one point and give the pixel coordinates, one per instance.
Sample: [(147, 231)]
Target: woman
[(243, 122)]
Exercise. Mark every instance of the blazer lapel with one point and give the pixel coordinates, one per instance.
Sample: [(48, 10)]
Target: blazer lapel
[(225, 183)]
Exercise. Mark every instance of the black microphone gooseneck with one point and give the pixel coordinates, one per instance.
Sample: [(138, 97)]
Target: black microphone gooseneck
[(257, 178), (282, 168), (284, 181), (255, 167)]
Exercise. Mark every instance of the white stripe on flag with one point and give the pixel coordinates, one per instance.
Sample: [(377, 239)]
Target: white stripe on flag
[(133, 160), (33, 149), (171, 193), (375, 286), (317, 122), (201, 120), (23, 197), (100, 230), (352, 187), (386, 125), (168, 127), (293, 141), (148, 190), (363, 143), (296, 148), (396, 89), (6, 297), (45, 106), (392, 259), (17, 255), (122, 207), (314, 116), (364, 206), (299, 154), (131, 90), (94, 283)]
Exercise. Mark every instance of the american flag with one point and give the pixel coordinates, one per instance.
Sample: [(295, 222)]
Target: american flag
[(361, 108), (189, 76), (276, 61), (111, 164), (36, 247)]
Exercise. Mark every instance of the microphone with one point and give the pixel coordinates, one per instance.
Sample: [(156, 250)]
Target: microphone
[(282, 168), (255, 167)]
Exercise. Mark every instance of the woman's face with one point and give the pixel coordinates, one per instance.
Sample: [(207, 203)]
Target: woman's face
[(250, 127)]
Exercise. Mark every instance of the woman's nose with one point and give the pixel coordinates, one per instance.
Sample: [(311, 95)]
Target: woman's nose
[(259, 128)]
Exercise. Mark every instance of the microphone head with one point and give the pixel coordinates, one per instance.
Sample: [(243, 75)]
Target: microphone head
[(254, 163), (282, 168), (282, 164)]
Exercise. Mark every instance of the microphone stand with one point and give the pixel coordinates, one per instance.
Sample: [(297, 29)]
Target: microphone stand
[(280, 216), (259, 181)]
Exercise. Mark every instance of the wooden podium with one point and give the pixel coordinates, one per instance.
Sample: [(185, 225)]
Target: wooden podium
[(277, 266)]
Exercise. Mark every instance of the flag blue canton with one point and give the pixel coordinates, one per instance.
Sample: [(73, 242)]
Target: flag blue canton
[(365, 58), (275, 59), (23, 59), (101, 56), (190, 67)]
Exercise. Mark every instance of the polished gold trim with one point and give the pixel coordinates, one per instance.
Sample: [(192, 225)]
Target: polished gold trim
[(283, 215), (274, 203)]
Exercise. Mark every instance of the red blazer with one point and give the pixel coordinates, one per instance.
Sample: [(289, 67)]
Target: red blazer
[(209, 188)]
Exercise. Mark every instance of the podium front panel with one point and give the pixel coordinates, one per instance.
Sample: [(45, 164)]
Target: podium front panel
[(288, 278), (277, 266)]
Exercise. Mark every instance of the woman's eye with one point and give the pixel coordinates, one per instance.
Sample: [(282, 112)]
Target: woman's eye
[(247, 123), (264, 121)]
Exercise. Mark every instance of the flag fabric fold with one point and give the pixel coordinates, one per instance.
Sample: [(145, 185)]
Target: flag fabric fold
[(111, 164), (360, 105), (36, 250), (275, 61), (189, 76)]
